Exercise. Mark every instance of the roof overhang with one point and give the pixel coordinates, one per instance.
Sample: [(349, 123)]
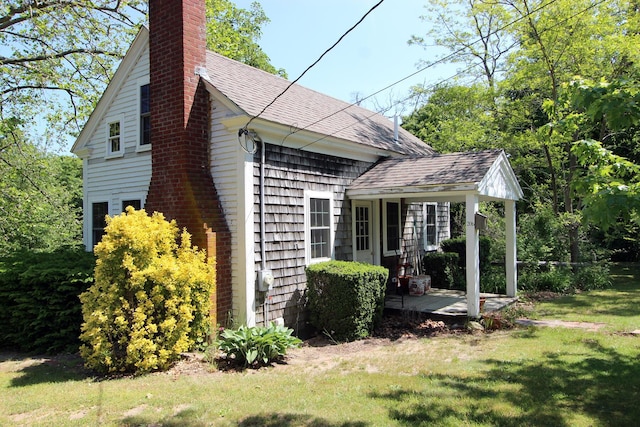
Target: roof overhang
[(494, 180), (279, 134)]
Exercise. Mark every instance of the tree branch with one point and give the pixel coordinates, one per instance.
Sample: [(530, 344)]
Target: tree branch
[(57, 55)]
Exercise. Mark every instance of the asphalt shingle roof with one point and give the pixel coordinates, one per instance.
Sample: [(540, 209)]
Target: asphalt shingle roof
[(252, 89), (437, 169)]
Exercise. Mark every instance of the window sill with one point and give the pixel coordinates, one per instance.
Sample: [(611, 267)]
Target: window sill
[(143, 148), (317, 260), (117, 155)]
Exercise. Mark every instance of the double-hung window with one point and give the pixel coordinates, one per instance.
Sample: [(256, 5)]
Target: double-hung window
[(115, 137), (430, 218), (319, 233)]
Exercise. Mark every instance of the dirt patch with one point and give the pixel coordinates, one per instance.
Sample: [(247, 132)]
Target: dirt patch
[(562, 324), (136, 411), (321, 353)]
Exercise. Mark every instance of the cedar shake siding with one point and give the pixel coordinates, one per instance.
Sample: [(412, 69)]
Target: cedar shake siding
[(288, 173)]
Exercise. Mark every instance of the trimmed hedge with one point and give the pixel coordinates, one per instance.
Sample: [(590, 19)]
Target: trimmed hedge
[(40, 310), (443, 267), (459, 246), (346, 299)]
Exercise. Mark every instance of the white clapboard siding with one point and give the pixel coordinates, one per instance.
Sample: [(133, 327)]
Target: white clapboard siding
[(225, 160), (115, 179)]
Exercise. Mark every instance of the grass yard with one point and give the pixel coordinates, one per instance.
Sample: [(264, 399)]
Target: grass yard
[(618, 309), (521, 377)]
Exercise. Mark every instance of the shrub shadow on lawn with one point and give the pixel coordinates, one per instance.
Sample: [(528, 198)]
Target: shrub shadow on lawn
[(185, 418), (290, 420), (56, 369), (192, 419), (592, 381)]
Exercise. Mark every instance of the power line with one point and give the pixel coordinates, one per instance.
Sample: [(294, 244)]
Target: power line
[(312, 65), (432, 64), (446, 58), (375, 113)]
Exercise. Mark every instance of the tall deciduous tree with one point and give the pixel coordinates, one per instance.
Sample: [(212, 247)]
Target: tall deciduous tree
[(58, 55), (40, 198), (56, 58), (554, 41), (474, 32), (608, 184), (455, 119), (234, 33)]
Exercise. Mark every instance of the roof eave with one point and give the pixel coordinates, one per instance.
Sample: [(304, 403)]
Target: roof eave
[(459, 189), (283, 135)]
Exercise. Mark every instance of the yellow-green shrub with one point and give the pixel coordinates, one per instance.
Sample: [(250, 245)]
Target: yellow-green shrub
[(151, 296)]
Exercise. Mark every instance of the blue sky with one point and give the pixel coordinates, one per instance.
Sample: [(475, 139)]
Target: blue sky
[(371, 57)]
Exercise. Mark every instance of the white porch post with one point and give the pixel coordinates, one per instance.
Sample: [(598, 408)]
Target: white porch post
[(473, 259), (511, 257)]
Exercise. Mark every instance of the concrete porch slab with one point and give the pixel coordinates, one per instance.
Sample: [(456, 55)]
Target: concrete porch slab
[(445, 302)]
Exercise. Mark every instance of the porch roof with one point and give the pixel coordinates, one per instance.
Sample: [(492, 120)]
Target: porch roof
[(448, 177)]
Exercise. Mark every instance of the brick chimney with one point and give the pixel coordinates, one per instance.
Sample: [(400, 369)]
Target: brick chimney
[(181, 184)]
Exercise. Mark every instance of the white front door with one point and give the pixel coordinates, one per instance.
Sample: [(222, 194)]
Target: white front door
[(363, 231)]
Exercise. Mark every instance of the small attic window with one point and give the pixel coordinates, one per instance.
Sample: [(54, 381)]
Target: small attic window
[(115, 140)]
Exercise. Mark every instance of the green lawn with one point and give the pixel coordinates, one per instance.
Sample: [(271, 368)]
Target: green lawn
[(618, 307), (522, 377)]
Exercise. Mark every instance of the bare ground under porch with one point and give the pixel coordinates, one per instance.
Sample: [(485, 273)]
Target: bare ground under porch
[(444, 303)]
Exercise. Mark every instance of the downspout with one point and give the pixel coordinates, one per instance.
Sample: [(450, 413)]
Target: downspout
[(263, 250)]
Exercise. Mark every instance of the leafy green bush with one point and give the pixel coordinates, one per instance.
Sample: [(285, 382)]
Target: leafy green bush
[(346, 299), (443, 267), (564, 278), (459, 246), (257, 345), (554, 279), (594, 276), (39, 308), (493, 280), (151, 297), (543, 235)]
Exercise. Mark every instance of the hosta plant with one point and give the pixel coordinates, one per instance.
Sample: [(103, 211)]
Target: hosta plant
[(257, 345)]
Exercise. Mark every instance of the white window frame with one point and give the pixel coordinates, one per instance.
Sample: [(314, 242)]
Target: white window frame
[(308, 195), (385, 244), (109, 121), (139, 147), (425, 218)]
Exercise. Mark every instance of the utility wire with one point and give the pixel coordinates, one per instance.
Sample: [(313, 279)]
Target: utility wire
[(432, 64), (375, 113), (312, 65), (435, 63)]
